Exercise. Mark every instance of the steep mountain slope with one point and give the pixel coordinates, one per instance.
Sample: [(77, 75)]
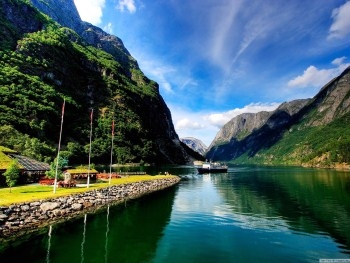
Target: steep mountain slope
[(313, 132), (43, 62), (195, 144)]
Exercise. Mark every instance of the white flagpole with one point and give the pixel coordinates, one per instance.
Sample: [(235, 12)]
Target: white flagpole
[(88, 176), (59, 147), (110, 166)]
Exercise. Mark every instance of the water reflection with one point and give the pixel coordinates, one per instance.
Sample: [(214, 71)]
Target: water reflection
[(107, 232), (119, 234), (83, 240), (259, 215), (303, 200), (49, 245)]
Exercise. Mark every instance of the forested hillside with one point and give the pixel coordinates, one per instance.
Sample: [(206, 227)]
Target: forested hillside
[(42, 63)]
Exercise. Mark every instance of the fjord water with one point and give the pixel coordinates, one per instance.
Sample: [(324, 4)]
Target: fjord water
[(250, 214)]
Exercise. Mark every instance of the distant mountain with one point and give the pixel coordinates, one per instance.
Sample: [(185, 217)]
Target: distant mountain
[(244, 124), (46, 54), (195, 144), (311, 132)]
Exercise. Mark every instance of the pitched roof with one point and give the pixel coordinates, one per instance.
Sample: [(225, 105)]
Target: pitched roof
[(31, 165), (27, 164)]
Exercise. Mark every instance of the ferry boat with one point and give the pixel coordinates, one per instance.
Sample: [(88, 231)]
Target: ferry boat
[(209, 167)]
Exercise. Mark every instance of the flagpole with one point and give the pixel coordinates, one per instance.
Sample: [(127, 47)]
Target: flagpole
[(59, 147), (110, 166), (88, 176)]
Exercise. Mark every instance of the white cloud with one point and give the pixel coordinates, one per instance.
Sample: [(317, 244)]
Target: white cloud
[(90, 11), (257, 27), (108, 28), (314, 77), (160, 73), (221, 24), (187, 124), (341, 22), (338, 61), (127, 4)]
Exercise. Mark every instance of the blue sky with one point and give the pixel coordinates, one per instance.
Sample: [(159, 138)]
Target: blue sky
[(215, 59)]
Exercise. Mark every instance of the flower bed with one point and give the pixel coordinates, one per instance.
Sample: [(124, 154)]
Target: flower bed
[(46, 181)]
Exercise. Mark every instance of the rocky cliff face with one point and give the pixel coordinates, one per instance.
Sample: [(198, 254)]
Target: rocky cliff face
[(66, 14), (331, 102), (240, 126)]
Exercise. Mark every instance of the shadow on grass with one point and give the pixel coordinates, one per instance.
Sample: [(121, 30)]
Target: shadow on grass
[(36, 191)]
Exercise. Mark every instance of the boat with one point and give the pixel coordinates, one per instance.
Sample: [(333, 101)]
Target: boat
[(212, 167)]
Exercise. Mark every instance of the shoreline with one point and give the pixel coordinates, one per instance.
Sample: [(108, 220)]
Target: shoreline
[(25, 218)]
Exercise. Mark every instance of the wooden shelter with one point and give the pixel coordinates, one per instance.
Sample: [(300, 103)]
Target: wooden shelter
[(31, 169), (80, 175)]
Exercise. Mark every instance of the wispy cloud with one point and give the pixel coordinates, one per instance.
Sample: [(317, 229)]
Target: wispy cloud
[(90, 11), (127, 5), (108, 28), (221, 23), (314, 77), (158, 71), (340, 27), (256, 27), (187, 124)]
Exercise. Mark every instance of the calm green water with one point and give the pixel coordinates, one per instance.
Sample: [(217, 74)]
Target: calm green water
[(250, 214)]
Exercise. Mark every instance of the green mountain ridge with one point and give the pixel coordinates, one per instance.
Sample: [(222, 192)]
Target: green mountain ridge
[(43, 62), (313, 132)]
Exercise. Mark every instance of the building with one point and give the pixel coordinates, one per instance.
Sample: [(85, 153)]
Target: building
[(31, 170), (80, 175)]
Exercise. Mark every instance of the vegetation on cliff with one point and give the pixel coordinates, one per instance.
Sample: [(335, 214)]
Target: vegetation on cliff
[(43, 63)]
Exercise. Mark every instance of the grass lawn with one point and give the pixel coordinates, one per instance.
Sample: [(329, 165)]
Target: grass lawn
[(34, 192)]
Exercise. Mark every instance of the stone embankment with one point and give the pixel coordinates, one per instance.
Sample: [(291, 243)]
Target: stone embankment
[(23, 218)]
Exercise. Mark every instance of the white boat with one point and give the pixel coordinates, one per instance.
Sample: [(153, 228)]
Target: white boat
[(209, 167)]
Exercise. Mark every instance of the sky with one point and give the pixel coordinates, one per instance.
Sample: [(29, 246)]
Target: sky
[(215, 59)]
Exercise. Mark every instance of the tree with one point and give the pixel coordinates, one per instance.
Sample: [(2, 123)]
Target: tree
[(12, 173), (62, 162)]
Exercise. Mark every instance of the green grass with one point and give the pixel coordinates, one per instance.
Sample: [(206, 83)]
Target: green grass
[(36, 192)]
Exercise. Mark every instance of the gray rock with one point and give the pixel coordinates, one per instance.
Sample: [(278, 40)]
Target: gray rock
[(77, 207), (49, 206)]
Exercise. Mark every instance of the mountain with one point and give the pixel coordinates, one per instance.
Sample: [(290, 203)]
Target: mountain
[(244, 124), (195, 144), (48, 54), (310, 132)]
